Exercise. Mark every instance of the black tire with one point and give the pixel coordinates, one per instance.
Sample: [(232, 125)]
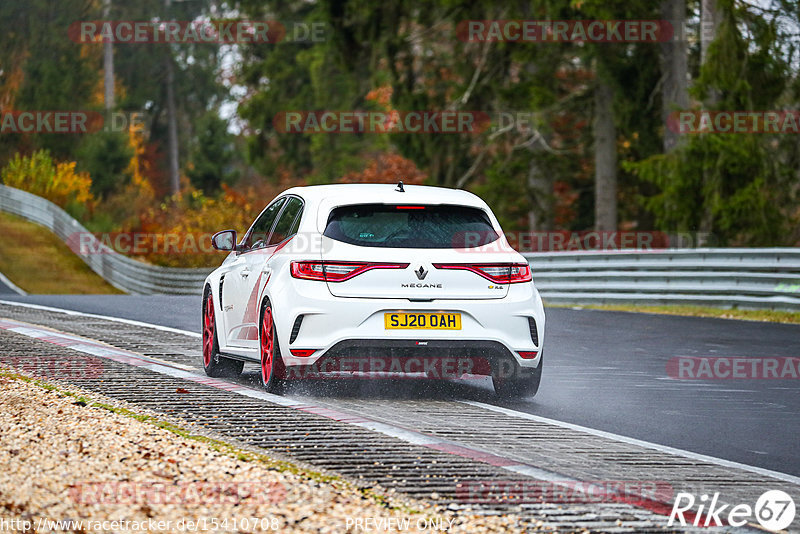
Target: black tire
[(523, 383), (214, 364)]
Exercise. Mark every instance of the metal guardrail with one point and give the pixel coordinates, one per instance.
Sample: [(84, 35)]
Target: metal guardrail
[(120, 271), (747, 278), (767, 278)]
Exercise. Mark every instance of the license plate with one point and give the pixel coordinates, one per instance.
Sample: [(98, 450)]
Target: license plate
[(426, 321)]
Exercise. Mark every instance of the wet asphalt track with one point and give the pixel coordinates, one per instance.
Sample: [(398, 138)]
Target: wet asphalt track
[(604, 370)]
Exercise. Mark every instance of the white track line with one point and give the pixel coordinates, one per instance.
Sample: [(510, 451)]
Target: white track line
[(513, 413), (106, 317), (14, 287), (109, 352), (632, 441)]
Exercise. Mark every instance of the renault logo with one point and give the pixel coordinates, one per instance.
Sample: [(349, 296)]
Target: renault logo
[(421, 274)]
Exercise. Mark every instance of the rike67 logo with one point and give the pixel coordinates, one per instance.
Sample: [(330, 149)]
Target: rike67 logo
[(774, 510)]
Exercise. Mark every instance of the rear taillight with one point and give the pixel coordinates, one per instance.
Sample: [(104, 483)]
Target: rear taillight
[(302, 353), (499, 273), (337, 271)]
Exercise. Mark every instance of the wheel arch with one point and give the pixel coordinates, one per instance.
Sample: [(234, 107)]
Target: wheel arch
[(261, 306), (208, 287), (264, 299), (206, 290)]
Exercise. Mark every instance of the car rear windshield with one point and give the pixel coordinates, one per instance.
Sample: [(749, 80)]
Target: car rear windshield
[(381, 225)]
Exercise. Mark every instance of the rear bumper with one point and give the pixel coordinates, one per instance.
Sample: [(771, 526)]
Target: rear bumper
[(336, 327), (443, 359)]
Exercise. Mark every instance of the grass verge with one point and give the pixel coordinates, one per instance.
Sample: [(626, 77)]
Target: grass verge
[(38, 262)]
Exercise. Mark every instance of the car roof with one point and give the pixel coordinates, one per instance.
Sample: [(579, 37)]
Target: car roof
[(343, 194)]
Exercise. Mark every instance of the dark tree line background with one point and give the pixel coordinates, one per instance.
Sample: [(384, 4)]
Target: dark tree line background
[(597, 153)]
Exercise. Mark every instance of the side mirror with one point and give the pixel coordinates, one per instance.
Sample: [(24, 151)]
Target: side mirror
[(224, 240)]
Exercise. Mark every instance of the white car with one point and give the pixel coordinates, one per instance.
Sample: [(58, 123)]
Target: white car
[(374, 279)]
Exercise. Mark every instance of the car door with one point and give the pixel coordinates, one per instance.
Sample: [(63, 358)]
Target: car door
[(245, 273), (258, 264)]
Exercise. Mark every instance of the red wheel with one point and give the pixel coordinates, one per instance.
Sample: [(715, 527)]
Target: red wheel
[(271, 362), (209, 335), (267, 346), (213, 363)]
